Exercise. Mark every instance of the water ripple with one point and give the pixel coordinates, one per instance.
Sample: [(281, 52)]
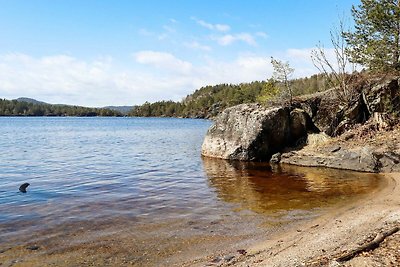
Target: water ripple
[(93, 169)]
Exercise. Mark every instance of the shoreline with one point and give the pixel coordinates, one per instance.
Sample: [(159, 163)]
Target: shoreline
[(322, 240), (206, 242)]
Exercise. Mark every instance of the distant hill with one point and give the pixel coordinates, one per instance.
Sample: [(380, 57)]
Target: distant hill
[(25, 106), (123, 109), (30, 100)]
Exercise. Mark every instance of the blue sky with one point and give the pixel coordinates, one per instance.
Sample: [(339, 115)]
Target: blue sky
[(97, 53)]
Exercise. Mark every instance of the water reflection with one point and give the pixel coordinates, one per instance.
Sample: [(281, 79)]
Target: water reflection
[(263, 189)]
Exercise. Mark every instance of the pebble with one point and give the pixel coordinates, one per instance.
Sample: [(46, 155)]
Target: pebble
[(242, 251), (216, 260), (32, 247), (229, 258)]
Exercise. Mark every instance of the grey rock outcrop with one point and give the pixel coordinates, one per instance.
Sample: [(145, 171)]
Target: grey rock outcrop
[(251, 132), (383, 96), (321, 107), (300, 124), (247, 132), (358, 159), (364, 159)]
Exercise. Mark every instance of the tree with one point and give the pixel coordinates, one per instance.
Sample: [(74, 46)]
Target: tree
[(282, 73), (375, 41), (334, 70), (268, 92)]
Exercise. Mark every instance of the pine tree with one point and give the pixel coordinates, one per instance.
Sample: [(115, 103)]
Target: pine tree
[(374, 42), (282, 74)]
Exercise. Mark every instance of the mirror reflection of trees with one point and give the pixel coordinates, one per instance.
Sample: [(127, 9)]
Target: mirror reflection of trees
[(260, 188)]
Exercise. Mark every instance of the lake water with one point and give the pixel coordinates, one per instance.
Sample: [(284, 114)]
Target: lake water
[(139, 187)]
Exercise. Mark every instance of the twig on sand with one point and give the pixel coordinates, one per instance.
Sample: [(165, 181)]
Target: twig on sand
[(380, 237)]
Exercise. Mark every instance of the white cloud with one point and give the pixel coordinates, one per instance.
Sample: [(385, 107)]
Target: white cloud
[(197, 46), (303, 57), (58, 78), (222, 27), (153, 76), (229, 39), (303, 54), (162, 60), (210, 26)]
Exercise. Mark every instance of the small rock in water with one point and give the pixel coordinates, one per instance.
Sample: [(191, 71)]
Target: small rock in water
[(23, 187), (33, 247), (276, 158)]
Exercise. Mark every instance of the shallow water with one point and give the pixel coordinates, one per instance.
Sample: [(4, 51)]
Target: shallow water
[(147, 175)]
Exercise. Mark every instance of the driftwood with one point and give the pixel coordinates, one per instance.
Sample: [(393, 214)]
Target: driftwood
[(368, 246)]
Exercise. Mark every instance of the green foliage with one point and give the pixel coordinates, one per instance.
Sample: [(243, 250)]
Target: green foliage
[(208, 101), (375, 40), (21, 108), (269, 91)]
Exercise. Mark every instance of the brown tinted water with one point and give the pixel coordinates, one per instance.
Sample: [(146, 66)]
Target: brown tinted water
[(136, 192), (254, 201)]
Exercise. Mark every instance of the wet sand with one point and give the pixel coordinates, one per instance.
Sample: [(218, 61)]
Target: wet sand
[(321, 241)]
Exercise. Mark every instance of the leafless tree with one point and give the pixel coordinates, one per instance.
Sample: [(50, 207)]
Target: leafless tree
[(336, 72)]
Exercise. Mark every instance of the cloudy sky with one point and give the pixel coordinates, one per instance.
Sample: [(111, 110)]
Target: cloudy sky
[(97, 52)]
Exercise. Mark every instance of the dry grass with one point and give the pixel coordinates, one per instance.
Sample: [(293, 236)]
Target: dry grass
[(315, 140)]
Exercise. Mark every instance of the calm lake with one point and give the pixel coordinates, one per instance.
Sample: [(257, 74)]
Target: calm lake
[(136, 191)]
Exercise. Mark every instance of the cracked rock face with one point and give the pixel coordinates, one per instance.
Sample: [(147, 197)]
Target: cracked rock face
[(247, 132), (251, 132)]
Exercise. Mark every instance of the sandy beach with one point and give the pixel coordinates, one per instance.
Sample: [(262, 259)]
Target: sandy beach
[(321, 241)]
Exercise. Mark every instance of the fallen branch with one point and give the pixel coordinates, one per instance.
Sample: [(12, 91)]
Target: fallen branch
[(368, 246)]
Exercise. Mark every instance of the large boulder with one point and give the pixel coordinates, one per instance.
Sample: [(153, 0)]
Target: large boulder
[(248, 132), (251, 132)]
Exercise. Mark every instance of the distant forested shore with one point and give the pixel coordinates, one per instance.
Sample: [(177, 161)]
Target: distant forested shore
[(209, 101), (206, 102), (23, 108)]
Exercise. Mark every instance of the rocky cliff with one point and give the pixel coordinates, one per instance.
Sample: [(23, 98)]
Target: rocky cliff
[(252, 132)]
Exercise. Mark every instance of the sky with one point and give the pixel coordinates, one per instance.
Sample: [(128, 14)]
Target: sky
[(97, 53)]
